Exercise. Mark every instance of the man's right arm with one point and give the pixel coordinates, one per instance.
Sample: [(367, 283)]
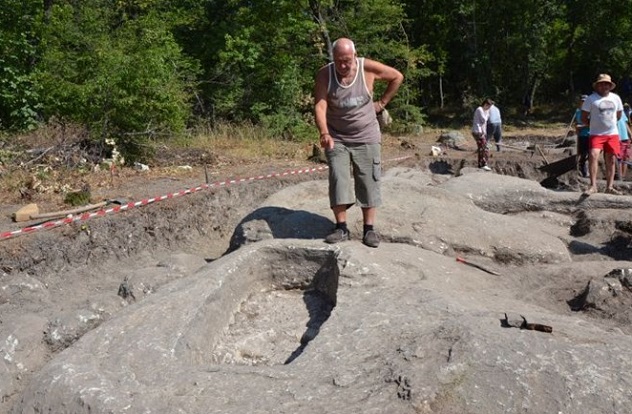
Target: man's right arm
[(320, 107)]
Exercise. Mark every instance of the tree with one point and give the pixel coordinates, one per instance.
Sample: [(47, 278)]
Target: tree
[(119, 73), (18, 52), (379, 27), (139, 69), (259, 62)]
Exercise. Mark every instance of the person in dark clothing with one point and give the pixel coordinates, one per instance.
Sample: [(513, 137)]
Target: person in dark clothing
[(583, 136)]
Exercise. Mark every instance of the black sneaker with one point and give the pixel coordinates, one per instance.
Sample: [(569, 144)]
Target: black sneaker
[(371, 239), (337, 236)]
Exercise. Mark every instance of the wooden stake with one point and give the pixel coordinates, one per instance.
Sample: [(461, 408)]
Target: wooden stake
[(542, 154)]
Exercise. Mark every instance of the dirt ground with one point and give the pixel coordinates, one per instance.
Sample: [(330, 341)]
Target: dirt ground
[(86, 261), (177, 170)]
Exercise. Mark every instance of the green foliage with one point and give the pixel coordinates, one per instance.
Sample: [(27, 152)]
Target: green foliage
[(290, 127), (376, 27), (7, 156), (407, 119), (77, 198), (18, 100), (144, 70), (262, 69), (269, 57), (121, 77)]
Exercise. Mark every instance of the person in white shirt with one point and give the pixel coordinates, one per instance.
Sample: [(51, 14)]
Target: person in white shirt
[(495, 125), (479, 132), (601, 110)]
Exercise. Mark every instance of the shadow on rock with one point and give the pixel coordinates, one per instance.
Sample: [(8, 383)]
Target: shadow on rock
[(607, 297), (441, 167), (583, 248), (279, 223), (618, 247), (319, 305), (320, 299)]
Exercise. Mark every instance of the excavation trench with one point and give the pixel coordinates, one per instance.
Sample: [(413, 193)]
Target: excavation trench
[(282, 315)]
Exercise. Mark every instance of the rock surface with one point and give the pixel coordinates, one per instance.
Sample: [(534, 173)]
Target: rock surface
[(286, 323)]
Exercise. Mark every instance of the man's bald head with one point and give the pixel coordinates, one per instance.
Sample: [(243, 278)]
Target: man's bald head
[(343, 45), (344, 55)]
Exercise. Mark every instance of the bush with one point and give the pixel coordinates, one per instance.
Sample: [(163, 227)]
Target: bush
[(407, 119), (129, 81)]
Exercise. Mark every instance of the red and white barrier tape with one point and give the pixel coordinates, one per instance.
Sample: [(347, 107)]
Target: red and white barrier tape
[(123, 207)]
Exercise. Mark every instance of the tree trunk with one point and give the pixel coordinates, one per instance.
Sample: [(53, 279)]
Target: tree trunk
[(322, 24), (48, 5), (529, 96), (441, 90)]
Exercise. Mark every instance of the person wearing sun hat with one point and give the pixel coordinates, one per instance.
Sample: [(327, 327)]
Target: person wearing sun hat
[(601, 111)]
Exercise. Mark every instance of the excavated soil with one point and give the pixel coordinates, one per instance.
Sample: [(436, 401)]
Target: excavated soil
[(203, 221)]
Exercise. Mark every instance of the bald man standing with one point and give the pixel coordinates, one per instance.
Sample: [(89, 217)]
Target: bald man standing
[(346, 116)]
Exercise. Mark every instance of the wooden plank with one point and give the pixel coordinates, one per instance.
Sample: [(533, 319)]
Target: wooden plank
[(560, 167), (31, 212)]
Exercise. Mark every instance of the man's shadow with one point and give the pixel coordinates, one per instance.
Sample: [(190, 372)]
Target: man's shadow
[(279, 223), (320, 300)]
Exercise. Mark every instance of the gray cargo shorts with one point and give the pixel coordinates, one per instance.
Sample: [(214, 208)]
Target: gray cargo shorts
[(365, 162)]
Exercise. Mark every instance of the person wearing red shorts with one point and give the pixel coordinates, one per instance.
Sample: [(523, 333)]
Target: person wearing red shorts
[(601, 110)]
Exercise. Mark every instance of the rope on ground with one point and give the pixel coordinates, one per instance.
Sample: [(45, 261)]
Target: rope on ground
[(128, 206)]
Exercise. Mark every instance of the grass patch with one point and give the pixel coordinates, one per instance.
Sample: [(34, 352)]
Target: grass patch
[(244, 141)]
